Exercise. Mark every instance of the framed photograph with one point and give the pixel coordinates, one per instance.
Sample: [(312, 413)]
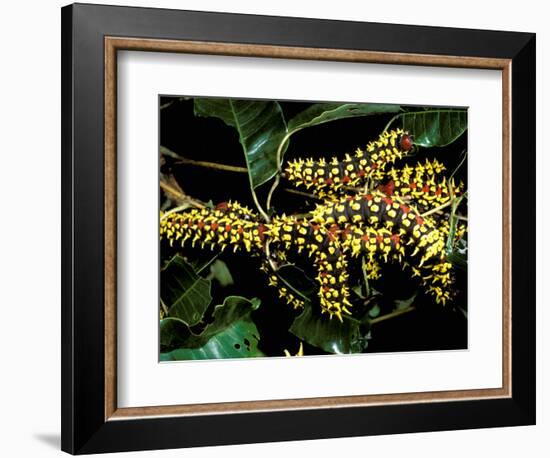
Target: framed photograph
[(282, 228)]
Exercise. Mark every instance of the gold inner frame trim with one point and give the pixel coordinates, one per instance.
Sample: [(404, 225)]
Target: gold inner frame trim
[(114, 44)]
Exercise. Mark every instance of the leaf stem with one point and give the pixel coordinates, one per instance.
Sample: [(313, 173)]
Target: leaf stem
[(391, 315), (189, 201), (302, 193), (437, 209), (279, 169)]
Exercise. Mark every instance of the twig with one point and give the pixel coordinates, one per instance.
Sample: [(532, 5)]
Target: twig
[(171, 102), (391, 315), (302, 193), (212, 165), (437, 209), (279, 169), (183, 198)]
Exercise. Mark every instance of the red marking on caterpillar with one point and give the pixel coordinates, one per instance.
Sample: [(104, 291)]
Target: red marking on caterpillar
[(200, 224), (388, 188), (438, 191), (261, 232), (395, 238), (240, 230), (333, 232), (419, 220), (222, 206), (404, 208), (365, 238), (228, 228), (406, 142), (361, 173), (315, 227), (346, 179), (214, 226), (388, 200), (349, 198), (379, 239), (425, 188), (368, 197), (374, 166), (329, 181), (412, 185)]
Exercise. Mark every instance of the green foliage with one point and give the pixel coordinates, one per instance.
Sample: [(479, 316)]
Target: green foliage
[(220, 272), (328, 334), (435, 127), (239, 340), (189, 331), (261, 128), (185, 294), (319, 330), (320, 113)]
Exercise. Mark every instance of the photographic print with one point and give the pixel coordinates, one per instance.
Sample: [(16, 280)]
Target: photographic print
[(300, 228)]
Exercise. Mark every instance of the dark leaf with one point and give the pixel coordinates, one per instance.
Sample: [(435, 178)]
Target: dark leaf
[(435, 127), (328, 334), (175, 333), (261, 128), (321, 113), (220, 272), (186, 294), (239, 340)]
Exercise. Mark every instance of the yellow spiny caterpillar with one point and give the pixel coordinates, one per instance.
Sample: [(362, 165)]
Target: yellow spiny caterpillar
[(424, 183), (289, 232), (235, 225), (385, 228), (227, 224), (374, 209), (325, 177)]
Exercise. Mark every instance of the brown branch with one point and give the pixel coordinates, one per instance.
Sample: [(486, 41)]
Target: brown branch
[(212, 165)]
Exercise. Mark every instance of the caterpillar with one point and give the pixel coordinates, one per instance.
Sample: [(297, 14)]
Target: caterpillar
[(382, 227), (236, 225), (228, 224), (326, 177), (328, 257), (424, 183)]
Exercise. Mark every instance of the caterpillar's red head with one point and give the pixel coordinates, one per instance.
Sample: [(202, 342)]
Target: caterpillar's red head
[(406, 142)]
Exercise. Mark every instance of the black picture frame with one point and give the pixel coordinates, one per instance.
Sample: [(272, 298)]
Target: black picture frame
[(84, 426)]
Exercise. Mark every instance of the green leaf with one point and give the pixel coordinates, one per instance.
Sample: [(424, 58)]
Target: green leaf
[(175, 333), (459, 260), (401, 304), (233, 309), (186, 294), (239, 340), (374, 311), (220, 272), (328, 334), (321, 113), (435, 127), (261, 128), (202, 260)]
